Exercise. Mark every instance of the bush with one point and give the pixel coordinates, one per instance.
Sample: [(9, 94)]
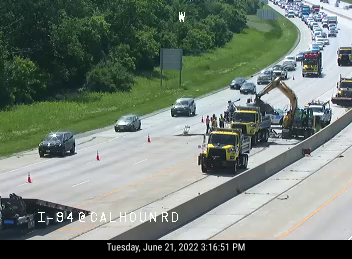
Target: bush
[(109, 77)]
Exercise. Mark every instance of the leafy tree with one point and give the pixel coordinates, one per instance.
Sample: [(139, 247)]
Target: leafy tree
[(109, 76)]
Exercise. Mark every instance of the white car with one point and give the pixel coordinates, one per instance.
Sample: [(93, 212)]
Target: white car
[(291, 58), (277, 117), (321, 44), (323, 39)]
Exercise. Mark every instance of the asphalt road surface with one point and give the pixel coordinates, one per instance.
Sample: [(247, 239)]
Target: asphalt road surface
[(316, 205), (133, 173)]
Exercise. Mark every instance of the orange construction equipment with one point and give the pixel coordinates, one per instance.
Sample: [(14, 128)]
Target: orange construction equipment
[(29, 180), (149, 139), (98, 157)]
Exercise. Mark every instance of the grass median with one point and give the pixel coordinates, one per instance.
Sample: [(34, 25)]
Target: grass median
[(261, 44)]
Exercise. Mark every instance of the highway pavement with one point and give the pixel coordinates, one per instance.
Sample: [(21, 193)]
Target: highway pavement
[(308, 200), (133, 173)]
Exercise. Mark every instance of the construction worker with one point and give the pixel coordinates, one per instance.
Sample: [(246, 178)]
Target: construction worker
[(214, 122), (221, 121), (286, 120), (207, 122)]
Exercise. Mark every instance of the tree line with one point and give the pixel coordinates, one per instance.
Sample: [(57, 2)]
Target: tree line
[(54, 46)]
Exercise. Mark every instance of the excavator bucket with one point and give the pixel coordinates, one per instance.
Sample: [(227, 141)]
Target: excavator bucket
[(264, 107), (342, 101)]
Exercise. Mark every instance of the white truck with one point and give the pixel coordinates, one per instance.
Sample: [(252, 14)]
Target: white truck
[(332, 20), (322, 112)]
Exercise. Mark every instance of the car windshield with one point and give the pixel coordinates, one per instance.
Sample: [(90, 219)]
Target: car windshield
[(277, 67), (244, 117), (346, 84), (181, 103), (310, 62), (238, 80), (125, 119), (247, 85), (53, 137), (346, 51), (222, 139), (317, 109), (267, 73)]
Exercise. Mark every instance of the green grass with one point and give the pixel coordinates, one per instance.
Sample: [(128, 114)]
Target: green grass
[(23, 127), (347, 1)]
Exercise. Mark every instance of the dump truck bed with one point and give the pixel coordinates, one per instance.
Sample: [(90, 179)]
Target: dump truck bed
[(342, 101)]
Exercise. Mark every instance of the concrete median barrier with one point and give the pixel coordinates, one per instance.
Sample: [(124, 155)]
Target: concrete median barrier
[(203, 203)]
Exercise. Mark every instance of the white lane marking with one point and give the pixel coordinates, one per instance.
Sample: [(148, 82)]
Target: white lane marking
[(24, 167), (50, 159), (21, 184), (80, 183), (141, 144), (350, 238), (140, 162), (89, 162)]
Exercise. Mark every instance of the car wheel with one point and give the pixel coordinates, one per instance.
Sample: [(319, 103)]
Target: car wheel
[(73, 149), (189, 113), (172, 115), (133, 128), (41, 154), (140, 125), (116, 130), (63, 152)]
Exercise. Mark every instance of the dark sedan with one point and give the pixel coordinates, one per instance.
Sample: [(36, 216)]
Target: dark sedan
[(248, 88), (300, 56), (237, 83), (332, 33), (57, 143), (289, 66), (128, 123)]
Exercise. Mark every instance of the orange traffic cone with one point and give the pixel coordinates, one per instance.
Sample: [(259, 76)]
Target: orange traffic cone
[(202, 120), (251, 99), (149, 139), (98, 157), (29, 180)]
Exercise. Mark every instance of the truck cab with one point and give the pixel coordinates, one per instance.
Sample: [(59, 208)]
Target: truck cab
[(312, 64), (225, 148), (344, 56), (252, 123), (322, 112)]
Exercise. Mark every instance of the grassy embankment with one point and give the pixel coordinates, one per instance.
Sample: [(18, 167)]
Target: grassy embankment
[(258, 46)]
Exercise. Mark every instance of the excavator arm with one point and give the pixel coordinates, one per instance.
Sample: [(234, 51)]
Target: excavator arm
[(277, 83)]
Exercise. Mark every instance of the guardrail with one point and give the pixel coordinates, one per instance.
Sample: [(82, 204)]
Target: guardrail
[(205, 202)]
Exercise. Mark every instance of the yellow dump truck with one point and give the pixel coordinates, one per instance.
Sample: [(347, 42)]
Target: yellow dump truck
[(225, 148), (252, 123), (344, 56)]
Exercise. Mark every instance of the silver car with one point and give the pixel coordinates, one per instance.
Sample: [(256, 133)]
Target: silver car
[(129, 122), (184, 106), (265, 77)]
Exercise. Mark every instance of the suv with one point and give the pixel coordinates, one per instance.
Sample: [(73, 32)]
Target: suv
[(237, 83), (57, 143), (184, 106), (280, 71), (265, 77)]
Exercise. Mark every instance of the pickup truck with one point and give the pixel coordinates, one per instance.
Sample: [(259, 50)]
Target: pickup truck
[(280, 71), (322, 112)]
